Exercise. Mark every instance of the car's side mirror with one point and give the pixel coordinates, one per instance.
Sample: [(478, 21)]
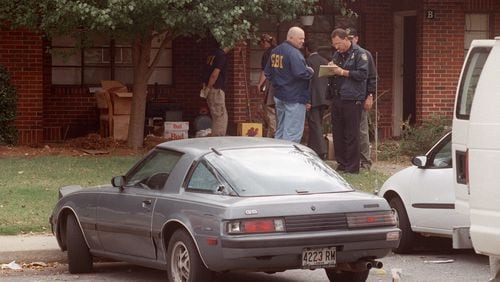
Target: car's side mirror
[(419, 161), (118, 181)]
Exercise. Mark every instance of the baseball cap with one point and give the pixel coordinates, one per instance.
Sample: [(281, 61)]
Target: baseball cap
[(351, 32)]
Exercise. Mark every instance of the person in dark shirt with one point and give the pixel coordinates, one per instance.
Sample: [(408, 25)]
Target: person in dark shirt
[(268, 43), (371, 85), (289, 74), (214, 80), (348, 88), (318, 101)]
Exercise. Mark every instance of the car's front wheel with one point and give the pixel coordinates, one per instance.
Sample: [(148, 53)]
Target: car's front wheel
[(185, 264), (79, 257), (407, 235), (346, 276)]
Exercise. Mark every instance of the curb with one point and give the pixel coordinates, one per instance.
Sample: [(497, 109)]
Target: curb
[(31, 248)]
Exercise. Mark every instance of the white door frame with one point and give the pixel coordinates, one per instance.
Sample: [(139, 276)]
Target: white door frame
[(397, 70)]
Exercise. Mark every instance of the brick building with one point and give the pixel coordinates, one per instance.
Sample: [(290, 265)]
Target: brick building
[(419, 48)]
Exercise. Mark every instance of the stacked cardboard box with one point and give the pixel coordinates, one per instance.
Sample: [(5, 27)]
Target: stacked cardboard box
[(250, 129), (176, 130)]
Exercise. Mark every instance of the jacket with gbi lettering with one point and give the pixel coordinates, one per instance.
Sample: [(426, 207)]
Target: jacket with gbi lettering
[(288, 73)]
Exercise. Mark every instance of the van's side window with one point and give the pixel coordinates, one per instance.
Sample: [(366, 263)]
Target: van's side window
[(470, 77)]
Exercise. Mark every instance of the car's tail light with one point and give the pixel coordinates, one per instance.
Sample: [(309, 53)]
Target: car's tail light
[(370, 219), (249, 226)]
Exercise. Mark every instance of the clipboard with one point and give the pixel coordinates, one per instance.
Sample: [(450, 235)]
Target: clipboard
[(326, 70)]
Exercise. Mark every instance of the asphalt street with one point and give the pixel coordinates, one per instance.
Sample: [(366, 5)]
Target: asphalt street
[(422, 266)]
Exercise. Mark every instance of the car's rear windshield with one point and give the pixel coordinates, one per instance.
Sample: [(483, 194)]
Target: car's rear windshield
[(276, 171)]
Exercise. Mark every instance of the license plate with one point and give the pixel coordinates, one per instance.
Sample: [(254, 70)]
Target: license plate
[(313, 257)]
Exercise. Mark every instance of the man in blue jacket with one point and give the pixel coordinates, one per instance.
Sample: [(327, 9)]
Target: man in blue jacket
[(348, 90), (289, 75)]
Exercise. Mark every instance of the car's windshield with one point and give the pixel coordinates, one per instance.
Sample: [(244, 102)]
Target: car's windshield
[(276, 171)]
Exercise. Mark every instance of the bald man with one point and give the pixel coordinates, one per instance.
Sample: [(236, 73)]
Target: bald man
[(289, 74)]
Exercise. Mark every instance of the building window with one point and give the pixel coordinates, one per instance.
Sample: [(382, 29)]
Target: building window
[(477, 26), (104, 60)]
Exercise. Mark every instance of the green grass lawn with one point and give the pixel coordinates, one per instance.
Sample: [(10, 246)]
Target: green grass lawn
[(29, 185)]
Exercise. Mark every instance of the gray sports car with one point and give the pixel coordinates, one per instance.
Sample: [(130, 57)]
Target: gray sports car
[(198, 206)]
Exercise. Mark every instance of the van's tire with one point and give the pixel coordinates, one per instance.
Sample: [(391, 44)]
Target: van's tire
[(183, 260), (79, 257), (407, 235), (346, 276)]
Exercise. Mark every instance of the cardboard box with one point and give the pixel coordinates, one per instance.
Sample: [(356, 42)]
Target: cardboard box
[(177, 125), (175, 134), (176, 130), (120, 127), (122, 102), (249, 129)]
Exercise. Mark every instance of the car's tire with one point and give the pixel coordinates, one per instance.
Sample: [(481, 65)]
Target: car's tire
[(79, 257), (184, 261), (408, 237), (346, 276)]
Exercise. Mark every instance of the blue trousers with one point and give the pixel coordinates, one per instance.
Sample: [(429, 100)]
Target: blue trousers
[(290, 118)]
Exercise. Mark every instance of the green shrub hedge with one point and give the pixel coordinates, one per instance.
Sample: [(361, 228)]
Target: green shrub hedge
[(8, 108)]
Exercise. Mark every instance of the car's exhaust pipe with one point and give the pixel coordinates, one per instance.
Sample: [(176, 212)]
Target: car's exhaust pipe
[(360, 265), (377, 264), (363, 265)]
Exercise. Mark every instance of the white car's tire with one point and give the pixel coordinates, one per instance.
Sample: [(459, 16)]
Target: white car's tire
[(407, 235)]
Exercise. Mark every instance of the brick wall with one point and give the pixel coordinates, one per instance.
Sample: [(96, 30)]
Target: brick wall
[(21, 54), (496, 19), (61, 113), (375, 14), (440, 54), (69, 112)]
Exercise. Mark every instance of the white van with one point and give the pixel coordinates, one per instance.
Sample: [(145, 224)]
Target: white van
[(476, 149)]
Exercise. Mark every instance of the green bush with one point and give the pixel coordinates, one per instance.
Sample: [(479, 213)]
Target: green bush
[(8, 108), (415, 140), (418, 140)]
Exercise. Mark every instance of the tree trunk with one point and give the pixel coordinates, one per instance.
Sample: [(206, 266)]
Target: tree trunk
[(141, 51)]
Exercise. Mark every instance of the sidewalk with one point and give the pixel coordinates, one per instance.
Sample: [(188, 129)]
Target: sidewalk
[(30, 248)]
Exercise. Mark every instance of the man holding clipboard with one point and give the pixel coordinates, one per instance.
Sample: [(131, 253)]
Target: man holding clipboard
[(347, 89)]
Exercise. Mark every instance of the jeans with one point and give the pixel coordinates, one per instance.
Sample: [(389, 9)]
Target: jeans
[(290, 118)]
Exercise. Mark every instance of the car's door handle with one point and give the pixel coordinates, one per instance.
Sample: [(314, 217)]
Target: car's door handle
[(146, 204)]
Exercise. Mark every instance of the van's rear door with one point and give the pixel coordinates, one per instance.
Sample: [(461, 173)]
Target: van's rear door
[(484, 158), (466, 90)]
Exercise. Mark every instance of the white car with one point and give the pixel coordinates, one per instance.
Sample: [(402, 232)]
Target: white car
[(423, 198)]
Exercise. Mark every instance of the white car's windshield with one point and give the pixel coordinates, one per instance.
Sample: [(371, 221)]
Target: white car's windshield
[(276, 171)]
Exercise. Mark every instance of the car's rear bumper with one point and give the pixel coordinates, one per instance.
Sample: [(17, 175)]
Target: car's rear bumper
[(283, 251)]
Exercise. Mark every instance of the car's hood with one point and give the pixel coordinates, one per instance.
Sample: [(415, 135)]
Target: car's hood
[(398, 180), (72, 189)]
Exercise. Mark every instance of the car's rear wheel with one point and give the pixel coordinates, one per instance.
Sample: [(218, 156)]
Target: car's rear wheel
[(185, 264), (79, 257), (407, 235), (346, 276)]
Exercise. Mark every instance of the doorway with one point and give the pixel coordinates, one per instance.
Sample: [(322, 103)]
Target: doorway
[(404, 69)]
